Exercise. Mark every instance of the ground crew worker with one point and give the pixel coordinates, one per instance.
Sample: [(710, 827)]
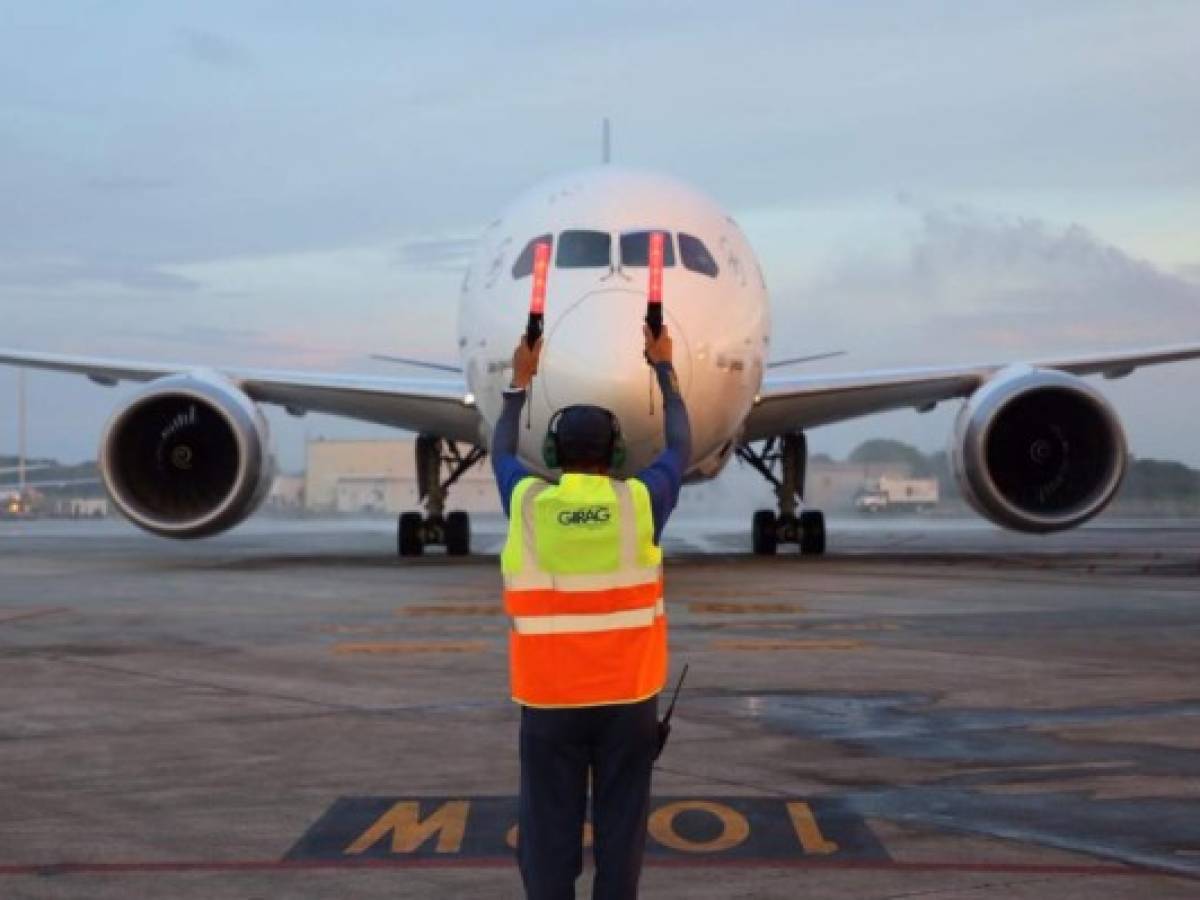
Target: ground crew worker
[(588, 645)]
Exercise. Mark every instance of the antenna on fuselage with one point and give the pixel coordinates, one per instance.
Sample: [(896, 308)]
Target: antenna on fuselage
[(606, 142)]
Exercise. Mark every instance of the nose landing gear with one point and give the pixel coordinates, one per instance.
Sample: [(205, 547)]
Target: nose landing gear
[(453, 531), (783, 461)]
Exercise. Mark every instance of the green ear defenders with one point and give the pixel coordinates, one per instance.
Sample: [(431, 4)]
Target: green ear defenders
[(589, 426)]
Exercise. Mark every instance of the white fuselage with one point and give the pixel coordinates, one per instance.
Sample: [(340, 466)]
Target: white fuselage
[(715, 306)]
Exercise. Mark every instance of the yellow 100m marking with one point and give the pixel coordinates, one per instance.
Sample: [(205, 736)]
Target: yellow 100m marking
[(409, 831), (443, 829)]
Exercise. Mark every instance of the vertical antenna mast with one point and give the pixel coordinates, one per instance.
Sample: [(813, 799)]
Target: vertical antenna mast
[(607, 141), (21, 423)]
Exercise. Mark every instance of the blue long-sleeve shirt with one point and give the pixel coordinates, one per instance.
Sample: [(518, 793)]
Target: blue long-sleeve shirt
[(663, 477)]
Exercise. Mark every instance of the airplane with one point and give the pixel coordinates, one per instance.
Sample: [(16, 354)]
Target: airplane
[(1035, 447)]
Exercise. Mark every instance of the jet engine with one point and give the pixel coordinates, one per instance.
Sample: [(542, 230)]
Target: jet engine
[(1038, 450), (187, 457)]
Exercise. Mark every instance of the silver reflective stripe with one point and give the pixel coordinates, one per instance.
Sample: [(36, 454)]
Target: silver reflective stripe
[(622, 578), (530, 564), (583, 623), (628, 524)]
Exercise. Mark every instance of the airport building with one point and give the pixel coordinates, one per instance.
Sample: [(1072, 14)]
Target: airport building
[(379, 476), (832, 486), (79, 508), (357, 477)]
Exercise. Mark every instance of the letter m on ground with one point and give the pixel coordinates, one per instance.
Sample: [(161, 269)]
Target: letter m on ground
[(410, 832)]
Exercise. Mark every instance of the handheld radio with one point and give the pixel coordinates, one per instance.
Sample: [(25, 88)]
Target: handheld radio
[(664, 727)]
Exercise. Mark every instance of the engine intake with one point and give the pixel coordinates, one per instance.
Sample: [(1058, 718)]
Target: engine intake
[(187, 456), (1038, 450)]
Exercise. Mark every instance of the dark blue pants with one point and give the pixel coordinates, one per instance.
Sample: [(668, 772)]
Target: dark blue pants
[(559, 749)]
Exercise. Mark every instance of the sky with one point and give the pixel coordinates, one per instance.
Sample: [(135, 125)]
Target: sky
[(297, 184)]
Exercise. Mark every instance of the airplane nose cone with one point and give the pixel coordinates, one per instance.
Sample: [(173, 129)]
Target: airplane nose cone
[(594, 354)]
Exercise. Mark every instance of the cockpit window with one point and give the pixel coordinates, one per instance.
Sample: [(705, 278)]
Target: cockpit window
[(584, 250), (635, 249), (523, 267), (696, 257)]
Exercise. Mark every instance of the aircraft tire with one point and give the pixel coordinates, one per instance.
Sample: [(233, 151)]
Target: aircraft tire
[(408, 535), (764, 538), (458, 534), (812, 533)]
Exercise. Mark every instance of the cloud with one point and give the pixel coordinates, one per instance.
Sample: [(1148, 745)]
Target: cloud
[(437, 253), (970, 281), (212, 49), (84, 273), (991, 261)]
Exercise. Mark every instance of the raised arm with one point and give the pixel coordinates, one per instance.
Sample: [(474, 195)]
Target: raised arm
[(664, 476), (505, 465)]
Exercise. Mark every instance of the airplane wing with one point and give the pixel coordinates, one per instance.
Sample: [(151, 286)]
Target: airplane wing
[(790, 403), (437, 406)]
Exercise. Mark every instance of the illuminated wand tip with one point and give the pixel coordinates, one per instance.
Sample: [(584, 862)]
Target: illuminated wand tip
[(537, 299), (654, 290)]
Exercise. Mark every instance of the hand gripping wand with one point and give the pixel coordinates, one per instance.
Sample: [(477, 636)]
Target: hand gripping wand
[(537, 300), (664, 727)]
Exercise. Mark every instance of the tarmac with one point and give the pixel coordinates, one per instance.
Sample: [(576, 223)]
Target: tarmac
[(934, 709)]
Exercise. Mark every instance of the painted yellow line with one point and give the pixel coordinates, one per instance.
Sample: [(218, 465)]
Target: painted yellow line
[(713, 606), (18, 615), (413, 647), (857, 626), (355, 629), (759, 644), (451, 609)]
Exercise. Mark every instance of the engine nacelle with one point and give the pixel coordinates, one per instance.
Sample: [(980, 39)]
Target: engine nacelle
[(1038, 450), (187, 457)]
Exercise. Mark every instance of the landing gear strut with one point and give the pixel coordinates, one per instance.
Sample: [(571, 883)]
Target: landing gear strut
[(783, 461), (453, 531)]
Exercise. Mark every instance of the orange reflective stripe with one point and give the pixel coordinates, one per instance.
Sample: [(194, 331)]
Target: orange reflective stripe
[(589, 669), (549, 602)]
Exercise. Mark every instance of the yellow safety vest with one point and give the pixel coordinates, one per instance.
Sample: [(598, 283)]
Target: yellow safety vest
[(583, 590)]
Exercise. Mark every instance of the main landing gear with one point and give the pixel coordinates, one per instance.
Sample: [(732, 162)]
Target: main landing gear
[(783, 462), (453, 531)]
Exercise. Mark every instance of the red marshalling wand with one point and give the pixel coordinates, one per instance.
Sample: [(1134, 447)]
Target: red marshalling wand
[(537, 301), (654, 293)]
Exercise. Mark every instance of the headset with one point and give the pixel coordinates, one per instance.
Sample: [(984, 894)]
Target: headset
[(551, 450)]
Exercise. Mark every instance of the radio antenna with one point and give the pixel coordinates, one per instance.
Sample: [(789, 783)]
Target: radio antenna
[(22, 434)]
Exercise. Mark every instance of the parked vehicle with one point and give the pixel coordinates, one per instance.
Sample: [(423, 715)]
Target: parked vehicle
[(891, 494)]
